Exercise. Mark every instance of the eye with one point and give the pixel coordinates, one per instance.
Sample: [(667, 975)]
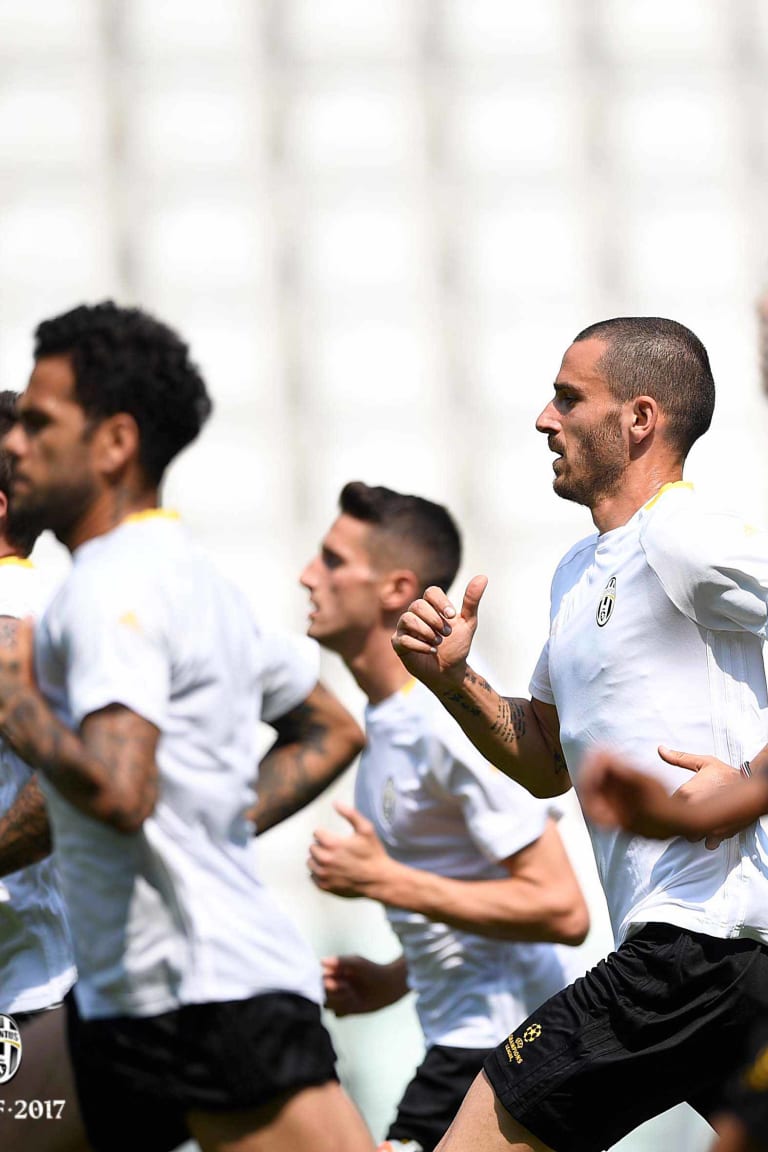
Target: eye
[(32, 421), (331, 560), (565, 401)]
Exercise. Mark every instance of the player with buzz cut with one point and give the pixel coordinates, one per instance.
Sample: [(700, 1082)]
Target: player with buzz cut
[(470, 868), (657, 629), (197, 1006), (37, 966)]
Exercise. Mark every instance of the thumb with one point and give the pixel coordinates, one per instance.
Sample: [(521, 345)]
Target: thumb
[(680, 759), (358, 822), (472, 597)]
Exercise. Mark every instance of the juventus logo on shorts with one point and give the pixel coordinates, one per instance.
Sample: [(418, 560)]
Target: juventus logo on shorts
[(607, 601), (10, 1048)]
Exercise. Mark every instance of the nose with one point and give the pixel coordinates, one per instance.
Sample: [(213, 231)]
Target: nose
[(548, 421), (11, 440), (306, 579)]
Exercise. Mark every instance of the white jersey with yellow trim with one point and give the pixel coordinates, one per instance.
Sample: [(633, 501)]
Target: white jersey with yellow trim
[(36, 962), (177, 913), (438, 805), (656, 637)]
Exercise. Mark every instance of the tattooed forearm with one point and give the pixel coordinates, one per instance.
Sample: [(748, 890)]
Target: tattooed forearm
[(25, 836), (455, 697), (315, 742), (480, 681), (510, 720), (287, 783), (109, 772)]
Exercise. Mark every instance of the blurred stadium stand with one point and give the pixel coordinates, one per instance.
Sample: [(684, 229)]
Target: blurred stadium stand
[(379, 225)]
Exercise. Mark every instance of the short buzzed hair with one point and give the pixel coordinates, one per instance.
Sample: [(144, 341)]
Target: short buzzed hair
[(647, 355), (424, 533)]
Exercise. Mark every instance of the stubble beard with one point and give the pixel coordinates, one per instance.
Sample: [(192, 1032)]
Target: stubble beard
[(604, 446)]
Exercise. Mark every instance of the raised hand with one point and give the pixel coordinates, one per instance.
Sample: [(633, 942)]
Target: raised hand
[(433, 640)]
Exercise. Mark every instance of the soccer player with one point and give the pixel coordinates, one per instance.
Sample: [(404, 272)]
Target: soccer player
[(470, 868), (37, 966), (196, 1010), (616, 794), (656, 628)]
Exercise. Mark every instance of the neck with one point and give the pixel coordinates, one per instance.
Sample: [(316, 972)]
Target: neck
[(616, 509), (7, 549), (109, 509), (376, 666)]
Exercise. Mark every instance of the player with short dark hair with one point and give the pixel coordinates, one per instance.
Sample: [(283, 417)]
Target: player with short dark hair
[(471, 870), (656, 633), (197, 1006)]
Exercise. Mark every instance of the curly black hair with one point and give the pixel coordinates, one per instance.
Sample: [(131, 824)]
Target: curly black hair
[(126, 361)]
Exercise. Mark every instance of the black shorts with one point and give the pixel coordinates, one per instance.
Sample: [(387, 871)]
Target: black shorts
[(433, 1097), (138, 1077), (747, 1094), (665, 1018)]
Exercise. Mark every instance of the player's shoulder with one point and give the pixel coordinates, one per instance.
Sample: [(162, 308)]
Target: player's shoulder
[(683, 528)]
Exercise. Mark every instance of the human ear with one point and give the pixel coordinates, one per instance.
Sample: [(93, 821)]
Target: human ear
[(644, 418), (400, 587), (118, 442)]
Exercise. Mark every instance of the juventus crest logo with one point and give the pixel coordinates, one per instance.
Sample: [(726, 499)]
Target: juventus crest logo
[(10, 1048), (607, 601)]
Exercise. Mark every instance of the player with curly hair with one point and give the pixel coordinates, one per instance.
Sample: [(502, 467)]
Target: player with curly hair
[(197, 1006)]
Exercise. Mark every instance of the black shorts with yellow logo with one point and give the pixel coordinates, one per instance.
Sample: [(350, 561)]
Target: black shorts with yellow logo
[(664, 1019)]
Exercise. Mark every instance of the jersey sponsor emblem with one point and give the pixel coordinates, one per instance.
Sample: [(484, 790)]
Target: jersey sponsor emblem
[(10, 1048), (607, 601), (388, 797)]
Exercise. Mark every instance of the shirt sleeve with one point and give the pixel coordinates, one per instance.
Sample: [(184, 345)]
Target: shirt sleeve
[(502, 818), (714, 568), (291, 670), (540, 687), (116, 651)]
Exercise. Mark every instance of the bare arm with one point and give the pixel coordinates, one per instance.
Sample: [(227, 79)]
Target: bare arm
[(354, 984), (107, 770), (539, 900), (521, 737), (25, 834), (315, 742)]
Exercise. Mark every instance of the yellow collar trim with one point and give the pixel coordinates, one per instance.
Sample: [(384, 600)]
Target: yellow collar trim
[(665, 488), (409, 687), (16, 561), (152, 514)]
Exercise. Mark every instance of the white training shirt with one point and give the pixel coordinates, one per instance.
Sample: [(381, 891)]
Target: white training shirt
[(656, 637), (438, 805), (175, 914), (36, 962)]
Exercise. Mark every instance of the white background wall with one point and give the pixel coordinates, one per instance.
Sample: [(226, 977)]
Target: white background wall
[(379, 224)]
